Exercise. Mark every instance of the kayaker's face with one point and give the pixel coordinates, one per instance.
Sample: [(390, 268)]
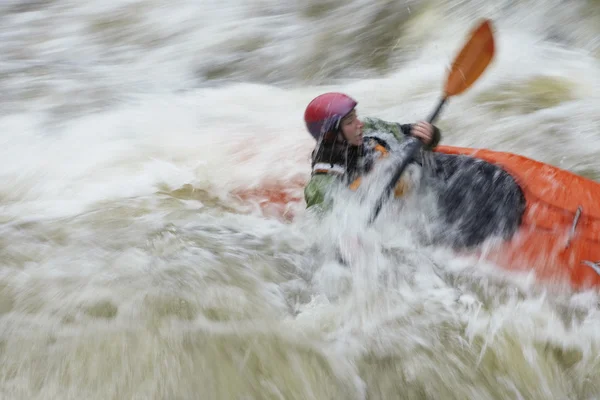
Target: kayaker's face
[(352, 129)]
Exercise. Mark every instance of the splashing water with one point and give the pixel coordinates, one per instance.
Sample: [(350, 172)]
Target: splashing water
[(136, 265)]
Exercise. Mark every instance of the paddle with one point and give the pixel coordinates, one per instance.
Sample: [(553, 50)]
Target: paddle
[(467, 67)]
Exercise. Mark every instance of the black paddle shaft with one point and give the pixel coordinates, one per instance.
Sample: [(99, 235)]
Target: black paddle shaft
[(412, 148)]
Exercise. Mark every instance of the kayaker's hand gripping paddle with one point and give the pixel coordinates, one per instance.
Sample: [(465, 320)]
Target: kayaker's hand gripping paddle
[(467, 67)]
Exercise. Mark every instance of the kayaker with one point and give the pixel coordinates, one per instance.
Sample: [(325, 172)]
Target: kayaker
[(348, 147)]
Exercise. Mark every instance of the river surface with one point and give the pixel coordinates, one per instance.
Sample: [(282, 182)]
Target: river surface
[(132, 266)]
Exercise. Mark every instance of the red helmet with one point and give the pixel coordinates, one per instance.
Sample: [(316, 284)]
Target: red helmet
[(325, 112)]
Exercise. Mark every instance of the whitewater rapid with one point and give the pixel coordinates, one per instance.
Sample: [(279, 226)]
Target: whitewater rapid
[(130, 267)]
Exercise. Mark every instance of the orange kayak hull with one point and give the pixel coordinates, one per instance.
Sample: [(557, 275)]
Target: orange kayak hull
[(559, 238)]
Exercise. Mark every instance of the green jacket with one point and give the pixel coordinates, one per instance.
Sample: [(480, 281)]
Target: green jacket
[(320, 183)]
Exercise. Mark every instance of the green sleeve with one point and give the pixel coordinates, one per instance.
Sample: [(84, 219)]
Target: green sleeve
[(400, 131), (378, 125), (315, 190)]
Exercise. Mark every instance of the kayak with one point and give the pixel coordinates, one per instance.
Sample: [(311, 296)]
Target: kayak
[(547, 218), (558, 232), (273, 199)]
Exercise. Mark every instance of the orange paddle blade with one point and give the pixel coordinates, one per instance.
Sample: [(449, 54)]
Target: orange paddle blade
[(472, 60)]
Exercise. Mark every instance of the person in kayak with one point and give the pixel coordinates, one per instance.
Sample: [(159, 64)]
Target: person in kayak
[(348, 147), (476, 200)]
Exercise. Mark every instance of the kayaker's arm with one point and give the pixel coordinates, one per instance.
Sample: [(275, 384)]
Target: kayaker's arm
[(315, 190), (400, 131), (437, 135)]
